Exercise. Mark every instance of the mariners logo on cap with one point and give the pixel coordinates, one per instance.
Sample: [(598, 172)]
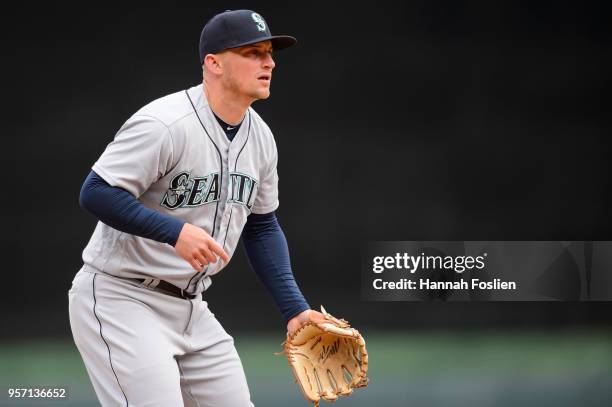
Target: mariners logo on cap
[(261, 24)]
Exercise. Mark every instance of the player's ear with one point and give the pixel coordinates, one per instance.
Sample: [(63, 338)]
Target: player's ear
[(213, 64)]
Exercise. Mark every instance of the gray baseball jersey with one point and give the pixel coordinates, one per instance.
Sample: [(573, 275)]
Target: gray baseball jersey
[(173, 155)]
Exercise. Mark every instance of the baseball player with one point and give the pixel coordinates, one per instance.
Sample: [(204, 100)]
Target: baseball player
[(184, 178)]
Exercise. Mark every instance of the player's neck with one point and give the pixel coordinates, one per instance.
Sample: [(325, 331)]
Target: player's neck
[(227, 107)]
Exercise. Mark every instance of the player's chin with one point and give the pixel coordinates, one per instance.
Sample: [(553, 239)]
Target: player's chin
[(262, 93)]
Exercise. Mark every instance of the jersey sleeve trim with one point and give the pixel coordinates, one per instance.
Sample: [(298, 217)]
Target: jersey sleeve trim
[(266, 209), (105, 175)]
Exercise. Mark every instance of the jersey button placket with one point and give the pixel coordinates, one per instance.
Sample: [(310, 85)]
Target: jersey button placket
[(222, 200), (226, 205)]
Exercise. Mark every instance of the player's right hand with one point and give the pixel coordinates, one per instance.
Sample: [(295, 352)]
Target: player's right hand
[(198, 248)]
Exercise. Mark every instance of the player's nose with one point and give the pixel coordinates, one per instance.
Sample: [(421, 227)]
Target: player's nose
[(269, 62)]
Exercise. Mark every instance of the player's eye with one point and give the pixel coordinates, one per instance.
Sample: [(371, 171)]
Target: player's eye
[(257, 53)]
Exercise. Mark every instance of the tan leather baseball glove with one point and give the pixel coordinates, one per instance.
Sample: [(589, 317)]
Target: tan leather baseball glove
[(328, 358)]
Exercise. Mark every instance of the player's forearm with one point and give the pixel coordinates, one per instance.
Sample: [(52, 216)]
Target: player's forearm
[(119, 209), (268, 254)]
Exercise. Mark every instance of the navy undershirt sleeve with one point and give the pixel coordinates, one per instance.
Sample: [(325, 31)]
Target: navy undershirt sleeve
[(119, 209), (268, 254)]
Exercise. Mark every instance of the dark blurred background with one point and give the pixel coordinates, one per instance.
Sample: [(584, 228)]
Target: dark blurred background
[(430, 120), (422, 121)]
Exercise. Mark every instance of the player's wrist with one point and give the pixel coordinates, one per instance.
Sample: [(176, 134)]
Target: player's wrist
[(176, 227), (299, 313)]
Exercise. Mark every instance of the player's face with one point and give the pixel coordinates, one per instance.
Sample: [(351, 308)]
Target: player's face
[(248, 70)]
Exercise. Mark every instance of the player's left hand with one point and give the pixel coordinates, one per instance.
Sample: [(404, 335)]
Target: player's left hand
[(328, 359), (304, 316)]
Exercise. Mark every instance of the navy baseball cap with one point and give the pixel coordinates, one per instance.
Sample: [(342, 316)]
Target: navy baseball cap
[(236, 28)]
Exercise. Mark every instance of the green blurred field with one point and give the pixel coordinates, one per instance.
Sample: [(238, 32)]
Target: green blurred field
[(406, 369)]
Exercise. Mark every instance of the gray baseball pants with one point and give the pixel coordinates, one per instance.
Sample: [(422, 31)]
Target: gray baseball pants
[(142, 347)]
